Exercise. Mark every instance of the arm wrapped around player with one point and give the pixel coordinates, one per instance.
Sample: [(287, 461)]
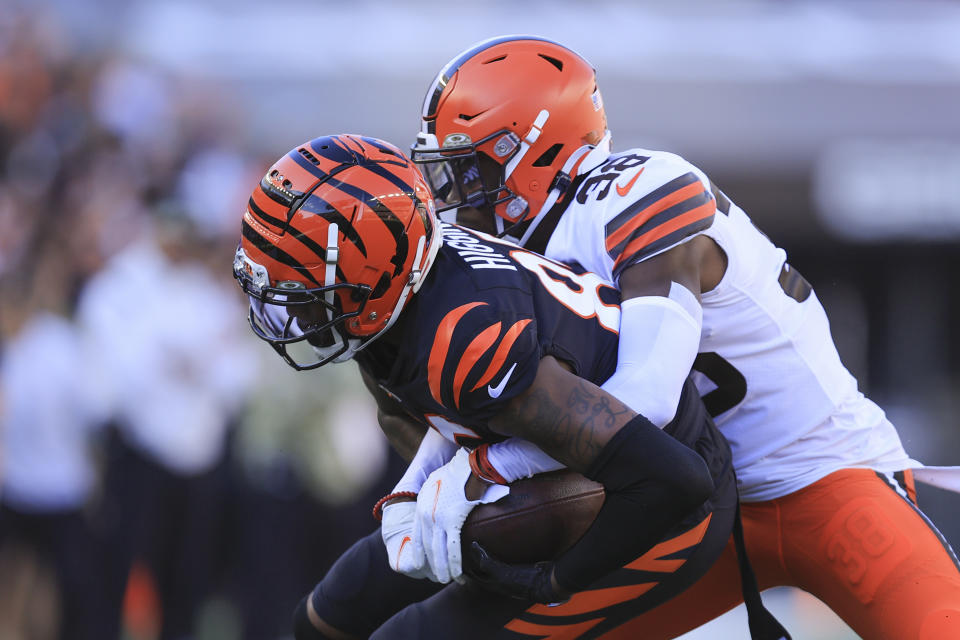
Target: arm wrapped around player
[(651, 481), (659, 338)]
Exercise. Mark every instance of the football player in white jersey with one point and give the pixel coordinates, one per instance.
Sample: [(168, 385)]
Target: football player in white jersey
[(514, 141)]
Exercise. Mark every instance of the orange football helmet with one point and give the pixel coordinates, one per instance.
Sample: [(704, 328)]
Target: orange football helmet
[(501, 121), (335, 238)]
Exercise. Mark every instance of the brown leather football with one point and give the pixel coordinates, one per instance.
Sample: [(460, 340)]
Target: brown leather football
[(541, 518)]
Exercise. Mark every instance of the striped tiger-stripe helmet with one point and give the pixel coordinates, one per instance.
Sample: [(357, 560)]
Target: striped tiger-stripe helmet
[(335, 238)]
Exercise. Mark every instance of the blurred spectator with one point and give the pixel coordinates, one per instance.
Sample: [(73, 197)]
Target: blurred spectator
[(50, 410), (120, 185), (310, 464), (177, 365)]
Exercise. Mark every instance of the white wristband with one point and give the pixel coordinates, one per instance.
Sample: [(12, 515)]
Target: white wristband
[(516, 458), (434, 452)]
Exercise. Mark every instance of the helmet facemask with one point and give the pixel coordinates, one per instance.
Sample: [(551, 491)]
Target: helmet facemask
[(463, 173), (306, 327)]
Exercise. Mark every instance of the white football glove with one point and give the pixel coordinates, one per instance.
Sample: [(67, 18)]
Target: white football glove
[(442, 507), (403, 547)]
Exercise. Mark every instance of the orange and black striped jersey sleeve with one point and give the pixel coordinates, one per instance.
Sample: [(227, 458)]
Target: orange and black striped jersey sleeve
[(658, 220), (481, 357), (474, 335)]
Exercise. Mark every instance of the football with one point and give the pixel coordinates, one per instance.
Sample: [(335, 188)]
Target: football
[(541, 518)]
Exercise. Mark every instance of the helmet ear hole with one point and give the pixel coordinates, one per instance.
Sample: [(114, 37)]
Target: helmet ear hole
[(548, 156), (554, 61)]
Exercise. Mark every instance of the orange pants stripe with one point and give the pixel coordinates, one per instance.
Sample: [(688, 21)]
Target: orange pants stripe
[(850, 539)]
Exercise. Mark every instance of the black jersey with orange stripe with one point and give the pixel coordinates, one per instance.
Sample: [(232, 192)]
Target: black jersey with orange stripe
[(471, 339)]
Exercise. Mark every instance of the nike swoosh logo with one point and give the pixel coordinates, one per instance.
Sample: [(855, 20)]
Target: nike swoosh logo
[(497, 390), (403, 543), (436, 498), (625, 189)]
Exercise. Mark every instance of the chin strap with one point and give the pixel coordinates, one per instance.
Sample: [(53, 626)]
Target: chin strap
[(537, 235), (580, 162), (329, 279)]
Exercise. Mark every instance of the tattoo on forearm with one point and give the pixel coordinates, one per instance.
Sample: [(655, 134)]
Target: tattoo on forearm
[(572, 427)]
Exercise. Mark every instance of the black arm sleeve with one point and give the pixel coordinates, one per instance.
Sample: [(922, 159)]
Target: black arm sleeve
[(651, 483), (303, 629)]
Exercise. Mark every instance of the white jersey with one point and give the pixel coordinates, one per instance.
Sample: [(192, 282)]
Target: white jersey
[(50, 410), (767, 366), (177, 370)]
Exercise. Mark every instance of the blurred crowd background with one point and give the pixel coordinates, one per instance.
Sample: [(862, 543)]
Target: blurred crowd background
[(165, 475)]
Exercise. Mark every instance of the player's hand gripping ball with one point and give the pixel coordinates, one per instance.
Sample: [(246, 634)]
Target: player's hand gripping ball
[(442, 508), (542, 517)]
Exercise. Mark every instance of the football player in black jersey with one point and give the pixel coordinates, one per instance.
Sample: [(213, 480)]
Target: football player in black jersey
[(473, 341)]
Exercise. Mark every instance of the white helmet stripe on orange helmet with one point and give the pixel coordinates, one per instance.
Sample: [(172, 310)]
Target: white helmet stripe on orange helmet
[(535, 129), (332, 255)]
